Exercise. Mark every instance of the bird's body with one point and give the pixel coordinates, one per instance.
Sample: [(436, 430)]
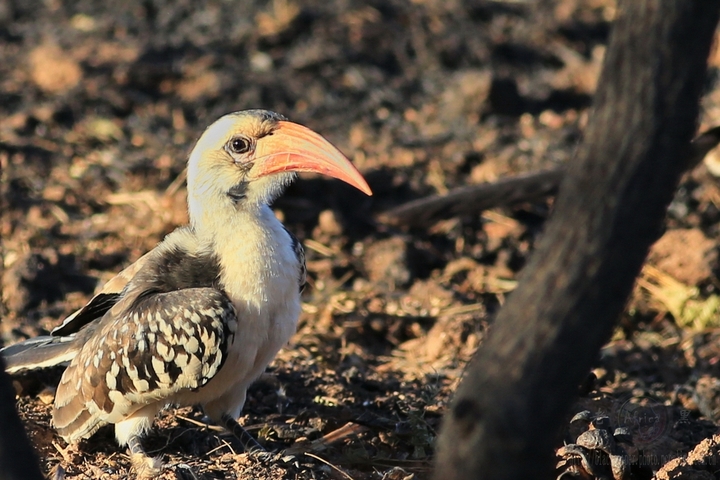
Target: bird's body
[(244, 272), (198, 318)]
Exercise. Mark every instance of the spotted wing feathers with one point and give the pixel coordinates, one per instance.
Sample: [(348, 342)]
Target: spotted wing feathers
[(161, 344)]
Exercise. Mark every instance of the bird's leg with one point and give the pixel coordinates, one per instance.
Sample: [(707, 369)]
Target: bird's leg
[(250, 445), (145, 466), (184, 472), (135, 446)]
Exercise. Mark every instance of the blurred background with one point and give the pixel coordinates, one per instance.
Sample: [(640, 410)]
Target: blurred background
[(100, 103)]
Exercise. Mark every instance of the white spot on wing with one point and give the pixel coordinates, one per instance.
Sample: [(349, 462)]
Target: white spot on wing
[(192, 345), (111, 381)]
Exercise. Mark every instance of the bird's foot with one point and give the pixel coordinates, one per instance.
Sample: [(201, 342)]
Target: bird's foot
[(145, 467), (185, 472), (248, 442), (262, 455)]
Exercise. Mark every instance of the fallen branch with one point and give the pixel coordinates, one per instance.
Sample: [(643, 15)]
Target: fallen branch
[(472, 199)]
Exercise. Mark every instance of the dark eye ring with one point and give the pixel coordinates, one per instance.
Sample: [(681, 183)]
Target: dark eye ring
[(239, 145)]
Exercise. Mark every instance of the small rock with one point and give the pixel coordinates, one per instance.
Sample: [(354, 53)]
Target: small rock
[(328, 223), (53, 70), (47, 395), (687, 255), (386, 261)]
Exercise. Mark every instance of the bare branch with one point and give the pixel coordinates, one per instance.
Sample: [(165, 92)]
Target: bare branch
[(507, 191)]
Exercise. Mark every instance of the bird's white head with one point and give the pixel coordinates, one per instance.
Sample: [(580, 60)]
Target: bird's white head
[(245, 159)]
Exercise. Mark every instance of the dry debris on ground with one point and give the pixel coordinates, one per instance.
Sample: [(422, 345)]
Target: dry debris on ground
[(100, 103)]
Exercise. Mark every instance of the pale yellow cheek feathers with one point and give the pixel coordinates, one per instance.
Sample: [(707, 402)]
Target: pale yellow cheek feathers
[(211, 174)]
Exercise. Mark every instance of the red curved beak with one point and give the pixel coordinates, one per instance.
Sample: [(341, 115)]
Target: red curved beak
[(294, 148)]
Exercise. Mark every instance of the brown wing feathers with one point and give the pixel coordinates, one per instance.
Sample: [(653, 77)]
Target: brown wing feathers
[(159, 345)]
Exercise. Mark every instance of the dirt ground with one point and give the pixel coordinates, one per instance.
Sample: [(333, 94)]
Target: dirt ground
[(100, 103)]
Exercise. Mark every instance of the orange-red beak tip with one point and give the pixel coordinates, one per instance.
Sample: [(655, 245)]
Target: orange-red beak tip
[(361, 185)]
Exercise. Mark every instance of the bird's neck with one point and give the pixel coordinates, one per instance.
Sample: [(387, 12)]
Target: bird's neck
[(256, 256), (223, 219)]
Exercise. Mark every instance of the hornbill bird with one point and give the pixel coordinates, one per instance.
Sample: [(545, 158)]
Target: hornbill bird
[(197, 319)]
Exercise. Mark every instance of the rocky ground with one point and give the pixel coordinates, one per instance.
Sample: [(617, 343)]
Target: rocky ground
[(100, 103)]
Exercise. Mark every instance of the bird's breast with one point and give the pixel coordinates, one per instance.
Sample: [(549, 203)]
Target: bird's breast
[(259, 274)]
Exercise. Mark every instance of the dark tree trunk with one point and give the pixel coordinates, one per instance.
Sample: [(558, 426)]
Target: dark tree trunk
[(503, 420), (17, 457)]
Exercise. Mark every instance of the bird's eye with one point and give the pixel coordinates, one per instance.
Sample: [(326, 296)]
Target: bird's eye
[(239, 145)]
